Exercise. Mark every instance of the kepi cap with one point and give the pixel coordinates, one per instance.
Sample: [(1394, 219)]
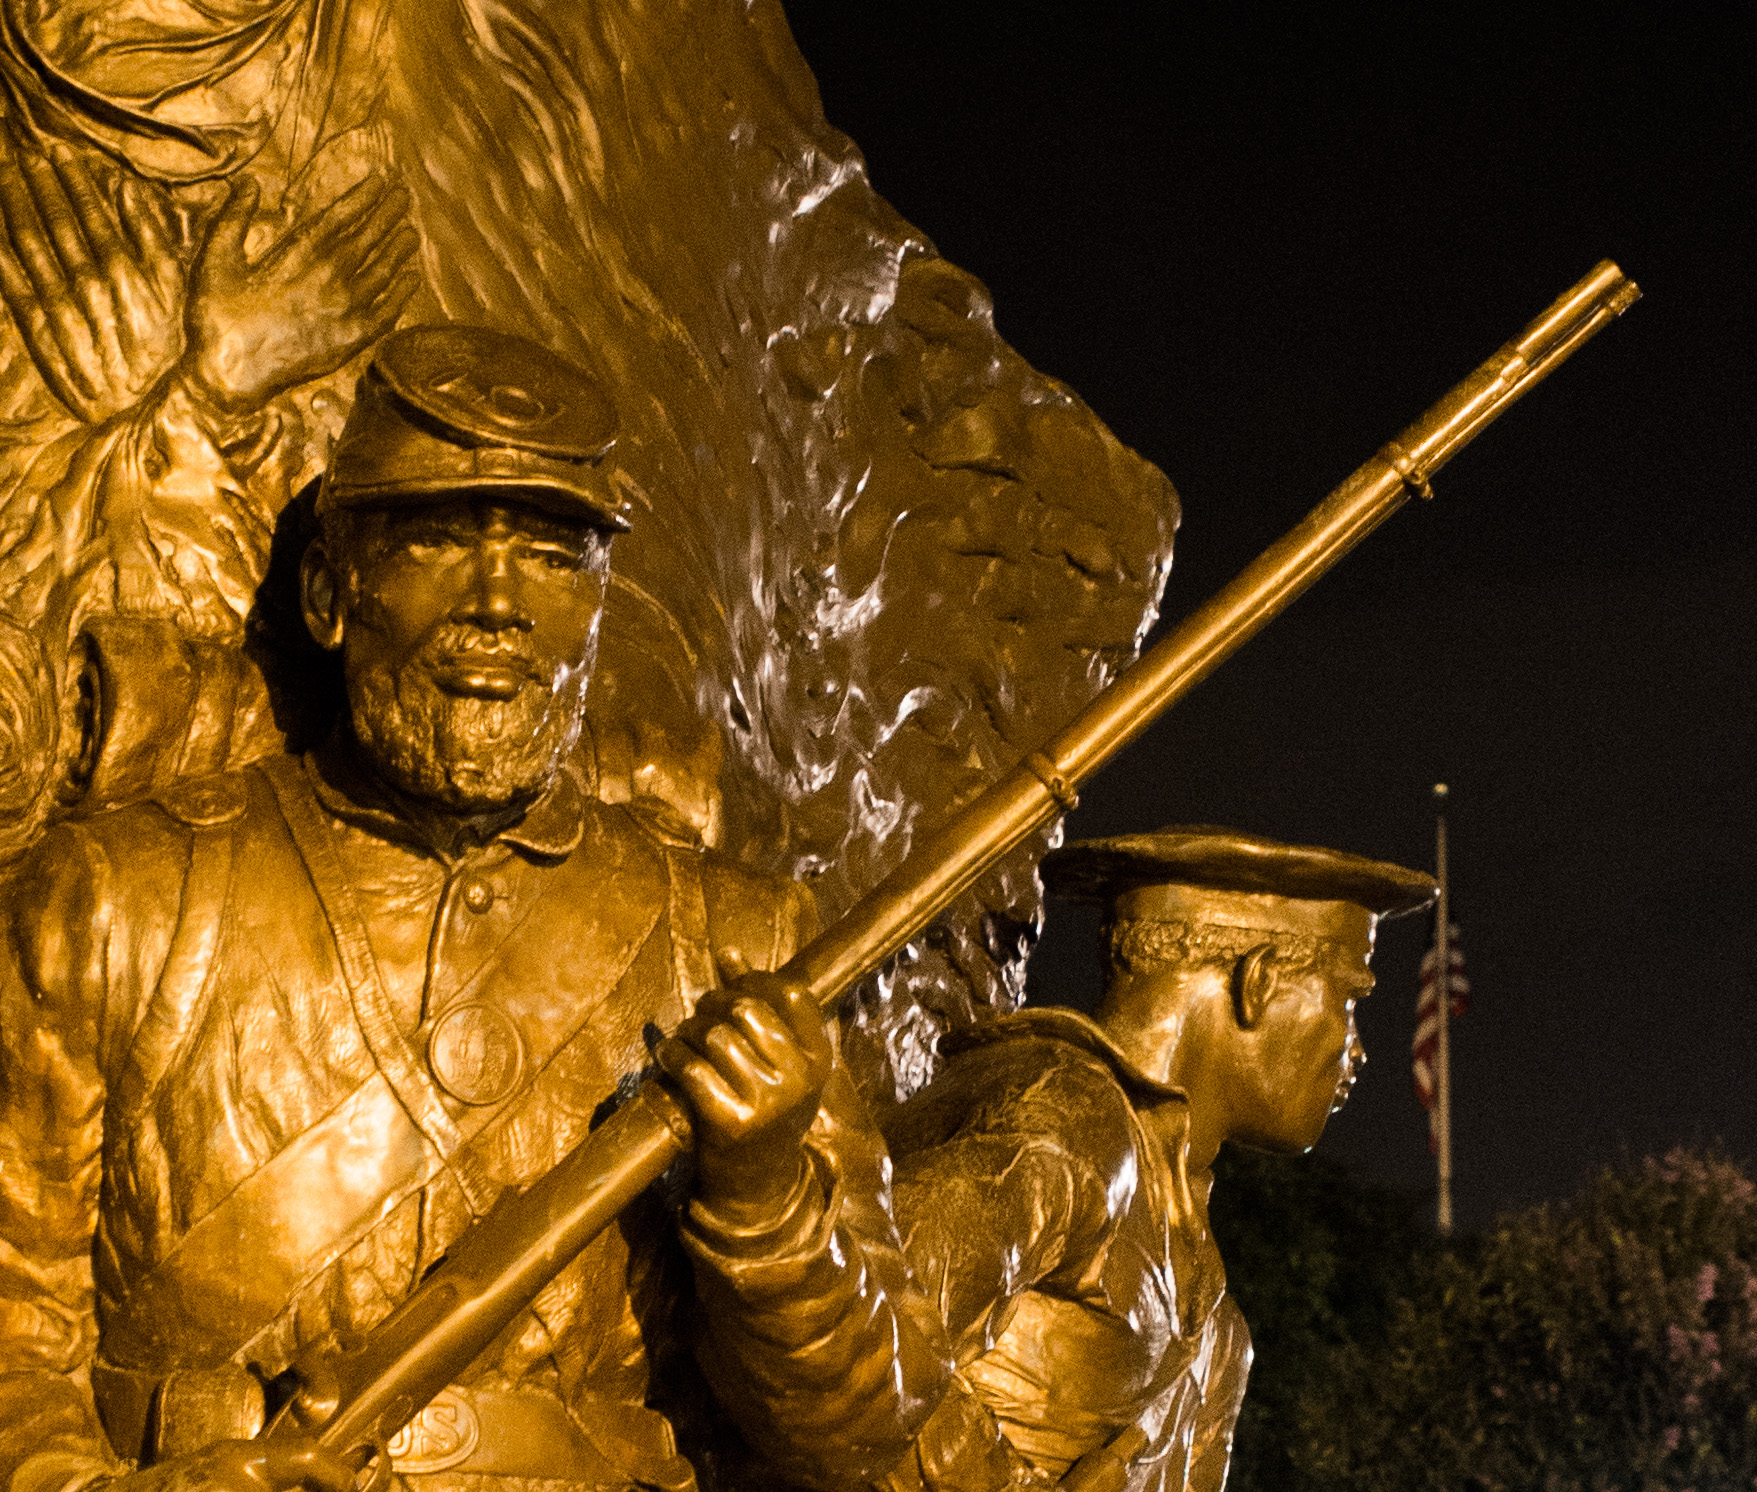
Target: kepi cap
[(1219, 859), (450, 408)]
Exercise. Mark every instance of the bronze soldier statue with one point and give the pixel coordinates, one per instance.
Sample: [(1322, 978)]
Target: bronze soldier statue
[(271, 1040), (1052, 1183)]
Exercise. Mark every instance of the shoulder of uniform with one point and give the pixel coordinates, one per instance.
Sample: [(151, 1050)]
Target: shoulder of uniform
[(127, 861), (1046, 1060), (1020, 1082), (764, 917), (664, 824), (205, 802)]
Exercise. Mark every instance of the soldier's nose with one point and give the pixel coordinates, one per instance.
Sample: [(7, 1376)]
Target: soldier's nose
[(495, 601)]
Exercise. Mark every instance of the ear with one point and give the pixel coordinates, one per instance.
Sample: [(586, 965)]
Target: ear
[(320, 597), (1253, 982)]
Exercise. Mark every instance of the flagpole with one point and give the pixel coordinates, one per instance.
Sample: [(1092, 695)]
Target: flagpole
[(1443, 998)]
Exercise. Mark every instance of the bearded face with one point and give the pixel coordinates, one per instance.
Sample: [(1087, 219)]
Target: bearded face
[(431, 735), (467, 635)]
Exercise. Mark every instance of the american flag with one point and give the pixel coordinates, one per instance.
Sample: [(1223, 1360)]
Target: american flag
[(1426, 1046)]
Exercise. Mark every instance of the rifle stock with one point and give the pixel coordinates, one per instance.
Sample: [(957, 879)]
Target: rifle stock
[(353, 1398)]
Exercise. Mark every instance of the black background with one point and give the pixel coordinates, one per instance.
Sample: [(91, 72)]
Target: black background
[(1260, 241)]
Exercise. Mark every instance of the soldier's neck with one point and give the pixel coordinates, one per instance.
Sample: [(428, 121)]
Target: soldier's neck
[(449, 832), (1209, 1118)]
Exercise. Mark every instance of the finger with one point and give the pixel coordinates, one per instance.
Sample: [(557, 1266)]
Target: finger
[(805, 1019), (738, 1062), (63, 338), (387, 305), (370, 322), (707, 1090), (92, 226), (149, 230), (381, 261), (57, 216), (733, 1057), (305, 1465), (387, 220), (23, 226), (383, 232), (342, 216), (225, 238), (97, 224), (19, 294), (771, 1036), (27, 311)]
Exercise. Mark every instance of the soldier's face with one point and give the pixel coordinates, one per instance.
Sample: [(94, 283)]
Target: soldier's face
[(1308, 1049), (467, 632)]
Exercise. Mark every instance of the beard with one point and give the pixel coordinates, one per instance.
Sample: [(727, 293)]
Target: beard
[(463, 753)]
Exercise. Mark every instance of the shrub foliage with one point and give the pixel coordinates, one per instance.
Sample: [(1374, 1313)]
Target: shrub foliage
[(1605, 1344)]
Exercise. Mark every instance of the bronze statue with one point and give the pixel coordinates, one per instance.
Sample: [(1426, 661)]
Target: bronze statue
[(1052, 1182), (274, 1038), (352, 1399), (872, 560)]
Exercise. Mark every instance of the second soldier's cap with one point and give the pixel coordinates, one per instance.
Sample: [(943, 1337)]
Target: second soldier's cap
[(455, 408), (1228, 860)]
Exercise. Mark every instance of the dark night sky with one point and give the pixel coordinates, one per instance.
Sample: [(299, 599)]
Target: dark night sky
[(1258, 242)]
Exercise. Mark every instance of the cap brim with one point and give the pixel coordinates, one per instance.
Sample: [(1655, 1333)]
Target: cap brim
[(531, 490), (1227, 860)]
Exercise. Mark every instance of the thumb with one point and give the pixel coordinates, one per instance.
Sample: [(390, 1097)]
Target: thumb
[(806, 1018), (227, 235)]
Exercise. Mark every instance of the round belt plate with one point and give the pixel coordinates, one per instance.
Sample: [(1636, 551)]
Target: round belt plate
[(438, 1438), (476, 1054)]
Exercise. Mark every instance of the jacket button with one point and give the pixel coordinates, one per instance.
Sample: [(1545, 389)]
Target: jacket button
[(478, 895)]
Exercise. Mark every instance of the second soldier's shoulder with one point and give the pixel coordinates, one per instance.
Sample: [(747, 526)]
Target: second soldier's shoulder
[(1020, 1076), (159, 821), (194, 803), (1048, 1047)]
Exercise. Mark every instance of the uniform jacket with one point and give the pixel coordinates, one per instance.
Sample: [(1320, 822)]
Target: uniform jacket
[(264, 1053), (1068, 1250)]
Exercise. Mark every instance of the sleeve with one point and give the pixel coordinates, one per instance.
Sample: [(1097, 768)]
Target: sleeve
[(995, 1200), (51, 1119), (813, 1336), (1007, 1200), (165, 509), (1223, 1394)]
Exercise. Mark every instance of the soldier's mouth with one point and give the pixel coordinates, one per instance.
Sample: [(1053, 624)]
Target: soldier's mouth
[(478, 676)]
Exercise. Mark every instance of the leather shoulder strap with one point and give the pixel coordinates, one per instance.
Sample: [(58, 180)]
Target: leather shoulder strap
[(691, 954), (396, 1059)]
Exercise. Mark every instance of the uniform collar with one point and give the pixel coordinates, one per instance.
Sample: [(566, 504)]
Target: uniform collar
[(1061, 1024), (550, 829)]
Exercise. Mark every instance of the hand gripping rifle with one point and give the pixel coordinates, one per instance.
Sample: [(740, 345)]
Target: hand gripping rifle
[(352, 1398)]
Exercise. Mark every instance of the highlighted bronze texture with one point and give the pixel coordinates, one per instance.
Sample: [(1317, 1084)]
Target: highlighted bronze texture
[(464, 1306)]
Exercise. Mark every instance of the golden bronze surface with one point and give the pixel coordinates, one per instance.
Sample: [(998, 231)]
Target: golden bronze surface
[(506, 1261), (1052, 1183), (342, 919)]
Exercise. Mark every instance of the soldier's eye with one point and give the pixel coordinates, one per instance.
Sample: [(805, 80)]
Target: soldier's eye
[(559, 558)]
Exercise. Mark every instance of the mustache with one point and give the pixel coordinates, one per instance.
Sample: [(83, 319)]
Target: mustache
[(456, 643)]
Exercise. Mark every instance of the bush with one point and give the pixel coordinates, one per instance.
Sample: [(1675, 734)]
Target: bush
[(1604, 1344)]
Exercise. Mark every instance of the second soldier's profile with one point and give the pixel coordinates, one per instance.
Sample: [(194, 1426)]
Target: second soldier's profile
[(1052, 1182)]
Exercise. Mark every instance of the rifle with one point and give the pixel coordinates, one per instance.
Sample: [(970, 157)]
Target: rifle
[(352, 1397)]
